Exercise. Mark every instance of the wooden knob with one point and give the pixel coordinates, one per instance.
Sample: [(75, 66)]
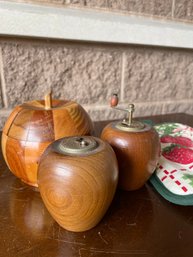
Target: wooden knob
[(48, 100), (114, 100)]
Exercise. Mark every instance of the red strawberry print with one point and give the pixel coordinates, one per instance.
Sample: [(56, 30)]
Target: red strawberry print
[(184, 141), (167, 139), (178, 154)]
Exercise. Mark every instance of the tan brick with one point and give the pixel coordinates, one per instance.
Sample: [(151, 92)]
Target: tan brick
[(147, 7), (1, 102), (48, 1), (4, 114), (153, 74), (1, 80), (152, 7), (39, 1), (178, 106), (183, 9), (86, 74)]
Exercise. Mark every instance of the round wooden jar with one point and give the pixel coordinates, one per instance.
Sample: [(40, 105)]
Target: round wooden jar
[(77, 179), (137, 148), (32, 126)]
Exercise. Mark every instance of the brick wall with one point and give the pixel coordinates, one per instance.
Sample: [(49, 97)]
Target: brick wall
[(157, 80)]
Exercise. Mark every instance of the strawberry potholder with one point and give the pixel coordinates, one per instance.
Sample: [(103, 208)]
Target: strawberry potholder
[(173, 178)]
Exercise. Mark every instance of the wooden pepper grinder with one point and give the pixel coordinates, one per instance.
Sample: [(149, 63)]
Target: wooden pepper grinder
[(136, 145), (77, 179)]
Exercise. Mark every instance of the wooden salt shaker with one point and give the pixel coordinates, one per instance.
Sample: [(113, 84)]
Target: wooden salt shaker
[(137, 148), (77, 179)]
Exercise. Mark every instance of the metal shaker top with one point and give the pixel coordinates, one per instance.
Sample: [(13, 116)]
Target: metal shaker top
[(77, 145)]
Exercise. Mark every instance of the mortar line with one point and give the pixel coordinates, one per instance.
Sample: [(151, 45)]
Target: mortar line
[(2, 78), (173, 8), (123, 61)]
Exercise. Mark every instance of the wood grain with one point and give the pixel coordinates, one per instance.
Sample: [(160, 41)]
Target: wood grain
[(77, 190), (137, 154), (74, 120), (12, 116), (31, 128), (14, 151), (32, 155)]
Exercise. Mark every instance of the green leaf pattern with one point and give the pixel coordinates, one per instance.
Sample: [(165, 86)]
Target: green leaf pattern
[(188, 177), (168, 129)]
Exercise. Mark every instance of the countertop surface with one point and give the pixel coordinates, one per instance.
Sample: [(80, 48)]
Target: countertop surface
[(138, 223)]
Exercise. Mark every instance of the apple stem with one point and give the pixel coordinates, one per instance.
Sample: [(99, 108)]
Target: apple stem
[(48, 100)]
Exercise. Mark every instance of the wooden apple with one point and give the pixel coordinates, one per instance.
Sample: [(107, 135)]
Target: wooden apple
[(32, 126), (77, 179), (137, 148)]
